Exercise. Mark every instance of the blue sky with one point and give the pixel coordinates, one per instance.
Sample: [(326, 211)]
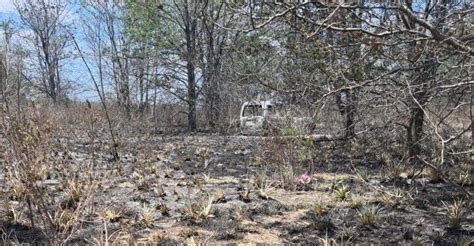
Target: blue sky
[(7, 10), (74, 70)]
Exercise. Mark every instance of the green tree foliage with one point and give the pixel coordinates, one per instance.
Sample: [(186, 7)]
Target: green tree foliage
[(143, 19)]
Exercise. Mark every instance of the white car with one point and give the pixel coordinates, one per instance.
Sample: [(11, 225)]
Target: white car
[(258, 116)]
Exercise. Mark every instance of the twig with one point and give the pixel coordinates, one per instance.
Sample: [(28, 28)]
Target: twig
[(102, 100)]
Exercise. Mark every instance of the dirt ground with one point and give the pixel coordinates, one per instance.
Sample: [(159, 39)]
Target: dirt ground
[(209, 189)]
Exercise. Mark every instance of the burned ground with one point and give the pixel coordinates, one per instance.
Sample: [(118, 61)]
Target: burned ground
[(216, 189)]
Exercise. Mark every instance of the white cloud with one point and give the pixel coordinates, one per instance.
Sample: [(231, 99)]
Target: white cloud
[(6, 6)]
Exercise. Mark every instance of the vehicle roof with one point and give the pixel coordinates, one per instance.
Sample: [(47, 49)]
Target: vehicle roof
[(258, 103)]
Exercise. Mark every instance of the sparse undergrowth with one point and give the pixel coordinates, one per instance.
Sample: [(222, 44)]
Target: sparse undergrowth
[(195, 190)]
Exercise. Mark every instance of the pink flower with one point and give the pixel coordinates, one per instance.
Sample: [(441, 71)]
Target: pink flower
[(304, 179)]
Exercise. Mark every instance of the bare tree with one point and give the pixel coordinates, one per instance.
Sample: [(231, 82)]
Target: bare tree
[(180, 30), (5, 61), (213, 42), (110, 41), (46, 20), (408, 59)]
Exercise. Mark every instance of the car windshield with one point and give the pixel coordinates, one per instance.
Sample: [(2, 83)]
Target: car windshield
[(252, 110)]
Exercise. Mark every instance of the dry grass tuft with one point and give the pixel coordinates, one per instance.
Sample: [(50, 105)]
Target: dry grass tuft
[(454, 213), (369, 216)]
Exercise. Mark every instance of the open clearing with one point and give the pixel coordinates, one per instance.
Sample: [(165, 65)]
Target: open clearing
[(161, 188)]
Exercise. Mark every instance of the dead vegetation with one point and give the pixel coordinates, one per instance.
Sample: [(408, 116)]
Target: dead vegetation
[(362, 117), (61, 184)]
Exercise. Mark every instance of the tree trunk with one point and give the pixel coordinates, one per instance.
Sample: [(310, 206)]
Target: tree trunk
[(420, 93), (415, 133), (350, 124), (191, 97), (125, 88), (51, 78), (3, 80), (345, 103), (213, 108), (212, 96), (141, 87), (190, 32), (210, 84), (472, 123)]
